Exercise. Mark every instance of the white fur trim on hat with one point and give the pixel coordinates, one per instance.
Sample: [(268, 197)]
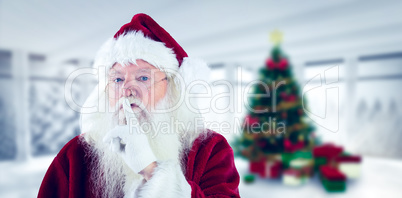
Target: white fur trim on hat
[(129, 47), (193, 69)]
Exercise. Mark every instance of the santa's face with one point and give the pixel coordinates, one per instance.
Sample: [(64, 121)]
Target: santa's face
[(142, 82), (146, 87)]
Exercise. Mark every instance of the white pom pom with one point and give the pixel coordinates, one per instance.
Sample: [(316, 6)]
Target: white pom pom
[(193, 69)]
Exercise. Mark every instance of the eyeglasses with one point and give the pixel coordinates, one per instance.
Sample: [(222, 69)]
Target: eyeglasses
[(150, 85), (144, 80)]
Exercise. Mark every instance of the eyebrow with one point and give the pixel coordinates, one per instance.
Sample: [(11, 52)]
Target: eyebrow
[(145, 69), (115, 71)]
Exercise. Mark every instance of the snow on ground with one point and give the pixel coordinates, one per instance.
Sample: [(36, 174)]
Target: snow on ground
[(379, 178), (22, 179)]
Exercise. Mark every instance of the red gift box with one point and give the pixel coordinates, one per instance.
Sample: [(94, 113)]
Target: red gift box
[(273, 170), (265, 168), (328, 151), (348, 158), (258, 167), (331, 173)]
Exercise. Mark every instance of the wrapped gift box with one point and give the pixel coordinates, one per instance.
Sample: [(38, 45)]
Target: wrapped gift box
[(349, 165), (300, 163), (287, 157), (304, 165), (328, 151), (273, 169), (293, 177), (258, 167), (325, 154), (332, 179)]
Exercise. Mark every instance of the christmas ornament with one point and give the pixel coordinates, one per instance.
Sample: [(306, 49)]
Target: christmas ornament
[(281, 65)]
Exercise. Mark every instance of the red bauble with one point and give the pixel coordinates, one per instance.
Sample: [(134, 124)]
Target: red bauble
[(262, 143), (293, 147), (270, 64), (251, 120), (299, 145), (291, 98), (283, 64), (287, 144), (283, 95)]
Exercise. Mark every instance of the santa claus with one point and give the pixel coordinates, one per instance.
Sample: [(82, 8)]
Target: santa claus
[(143, 140)]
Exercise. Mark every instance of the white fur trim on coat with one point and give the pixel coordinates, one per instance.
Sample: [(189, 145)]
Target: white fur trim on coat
[(167, 181), (132, 46)]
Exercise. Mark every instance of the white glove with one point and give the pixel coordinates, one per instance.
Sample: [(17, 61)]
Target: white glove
[(130, 142)]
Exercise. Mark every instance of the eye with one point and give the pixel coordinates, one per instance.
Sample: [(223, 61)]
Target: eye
[(144, 78), (117, 80)]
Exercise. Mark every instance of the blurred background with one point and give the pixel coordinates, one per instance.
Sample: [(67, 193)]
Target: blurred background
[(43, 42)]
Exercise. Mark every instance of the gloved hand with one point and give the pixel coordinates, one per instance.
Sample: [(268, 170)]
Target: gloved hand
[(130, 142)]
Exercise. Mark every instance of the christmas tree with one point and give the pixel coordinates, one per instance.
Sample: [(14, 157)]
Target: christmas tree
[(278, 139), (276, 125)]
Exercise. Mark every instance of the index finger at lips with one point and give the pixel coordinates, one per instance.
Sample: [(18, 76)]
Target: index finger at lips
[(128, 112)]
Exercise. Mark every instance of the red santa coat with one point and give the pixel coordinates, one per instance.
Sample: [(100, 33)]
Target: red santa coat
[(210, 170)]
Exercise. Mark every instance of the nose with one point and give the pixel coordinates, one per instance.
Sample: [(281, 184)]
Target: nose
[(127, 92), (130, 88)]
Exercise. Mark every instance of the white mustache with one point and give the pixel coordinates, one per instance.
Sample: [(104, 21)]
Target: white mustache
[(120, 114), (133, 101)]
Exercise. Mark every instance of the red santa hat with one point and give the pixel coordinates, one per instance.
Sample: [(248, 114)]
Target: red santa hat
[(143, 38)]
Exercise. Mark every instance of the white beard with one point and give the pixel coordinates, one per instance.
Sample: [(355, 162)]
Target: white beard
[(110, 175)]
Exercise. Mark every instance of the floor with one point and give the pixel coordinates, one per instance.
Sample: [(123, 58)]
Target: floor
[(379, 178)]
